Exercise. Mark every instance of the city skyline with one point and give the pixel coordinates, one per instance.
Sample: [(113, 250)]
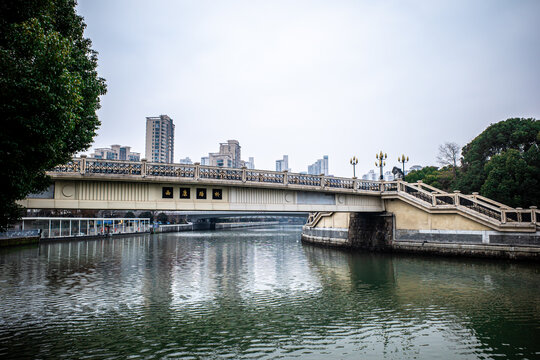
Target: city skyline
[(343, 79)]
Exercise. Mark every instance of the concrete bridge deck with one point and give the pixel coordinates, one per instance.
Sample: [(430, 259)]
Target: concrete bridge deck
[(107, 184)]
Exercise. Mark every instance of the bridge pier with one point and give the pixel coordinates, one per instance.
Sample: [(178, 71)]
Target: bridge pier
[(408, 232), (362, 231)]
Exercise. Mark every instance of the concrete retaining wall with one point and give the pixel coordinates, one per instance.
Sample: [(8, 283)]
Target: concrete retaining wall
[(376, 232)]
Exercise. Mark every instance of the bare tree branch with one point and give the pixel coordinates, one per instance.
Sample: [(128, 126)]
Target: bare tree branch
[(449, 154)]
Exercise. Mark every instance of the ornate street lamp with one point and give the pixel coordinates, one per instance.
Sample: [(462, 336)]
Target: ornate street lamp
[(402, 159), (381, 163), (353, 162)]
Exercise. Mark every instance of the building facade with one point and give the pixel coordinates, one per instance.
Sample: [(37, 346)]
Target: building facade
[(185, 161), (283, 164), (160, 139), (116, 152), (319, 167), (229, 155), (371, 175), (249, 164)]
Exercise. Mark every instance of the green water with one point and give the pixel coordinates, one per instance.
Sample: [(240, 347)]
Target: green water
[(259, 293)]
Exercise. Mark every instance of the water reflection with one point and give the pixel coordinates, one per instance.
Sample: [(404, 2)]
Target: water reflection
[(259, 294)]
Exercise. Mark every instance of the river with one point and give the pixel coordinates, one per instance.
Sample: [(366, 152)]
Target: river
[(259, 294)]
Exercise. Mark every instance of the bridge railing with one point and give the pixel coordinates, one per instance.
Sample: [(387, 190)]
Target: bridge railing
[(424, 193), (475, 204), (98, 166)]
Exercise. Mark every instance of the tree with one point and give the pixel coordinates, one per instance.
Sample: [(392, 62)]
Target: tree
[(449, 155), (49, 94), (513, 177), (162, 218), (129, 215), (147, 215), (515, 133)]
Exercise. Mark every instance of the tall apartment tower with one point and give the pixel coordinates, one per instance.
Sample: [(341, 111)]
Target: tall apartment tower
[(228, 155), (159, 139), (283, 164)]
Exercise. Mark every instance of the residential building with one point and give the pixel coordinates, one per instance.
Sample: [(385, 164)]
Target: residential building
[(319, 167), (283, 164), (228, 155), (371, 175), (205, 160), (388, 176), (186, 161), (160, 139), (249, 164), (116, 152)]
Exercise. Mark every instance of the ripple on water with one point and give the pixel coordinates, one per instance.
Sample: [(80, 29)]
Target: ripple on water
[(259, 294)]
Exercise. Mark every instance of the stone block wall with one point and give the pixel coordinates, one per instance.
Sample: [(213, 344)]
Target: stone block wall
[(371, 231)]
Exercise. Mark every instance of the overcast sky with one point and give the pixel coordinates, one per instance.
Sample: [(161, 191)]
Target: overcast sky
[(313, 78)]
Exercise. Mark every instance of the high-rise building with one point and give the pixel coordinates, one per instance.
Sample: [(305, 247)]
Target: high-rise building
[(160, 139), (186, 161), (371, 175), (205, 160), (228, 155), (116, 152), (283, 164), (319, 167), (249, 164)]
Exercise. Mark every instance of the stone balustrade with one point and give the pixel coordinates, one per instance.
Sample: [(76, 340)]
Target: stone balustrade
[(423, 194)]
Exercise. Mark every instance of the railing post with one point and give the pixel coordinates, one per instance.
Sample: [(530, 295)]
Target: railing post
[(355, 183), (82, 168), (285, 177), (323, 182), (197, 174), (433, 200), (533, 214), (456, 197), (244, 175), (503, 216), (143, 167), (518, 214)]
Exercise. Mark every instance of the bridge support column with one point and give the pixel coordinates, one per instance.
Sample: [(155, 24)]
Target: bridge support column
[(362, 231)]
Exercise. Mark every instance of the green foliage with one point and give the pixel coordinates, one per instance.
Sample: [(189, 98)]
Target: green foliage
[(422, 174), (440, 178), (513, 177), (514, 133), (147, 215), (129, 215), (49, 91), (502, 163), (162, 218)]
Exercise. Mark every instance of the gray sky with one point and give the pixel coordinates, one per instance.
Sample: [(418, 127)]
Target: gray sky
[(308, 78)]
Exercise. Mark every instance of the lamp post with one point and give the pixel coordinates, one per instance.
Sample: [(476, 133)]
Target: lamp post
[(402, 159), (353, 162), (380, 162)]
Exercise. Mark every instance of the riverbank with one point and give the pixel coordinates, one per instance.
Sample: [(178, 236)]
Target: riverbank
[(19, 238), (378, 234)]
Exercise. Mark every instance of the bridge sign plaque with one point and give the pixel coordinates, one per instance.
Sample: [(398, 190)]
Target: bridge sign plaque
[(167, 192), (185, 193), (201, 193)]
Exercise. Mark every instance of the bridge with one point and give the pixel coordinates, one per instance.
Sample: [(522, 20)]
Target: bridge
[(87, 183)]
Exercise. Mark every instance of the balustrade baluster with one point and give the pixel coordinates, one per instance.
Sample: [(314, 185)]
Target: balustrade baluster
[(143, 167), (197, 170), (82, 168)]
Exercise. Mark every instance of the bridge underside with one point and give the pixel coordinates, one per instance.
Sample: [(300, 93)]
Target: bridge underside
[(111, 195)]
